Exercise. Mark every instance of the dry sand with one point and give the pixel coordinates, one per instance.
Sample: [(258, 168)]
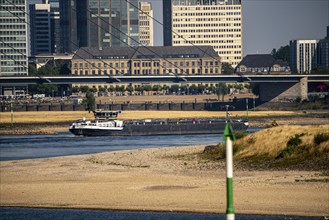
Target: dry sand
[(164, 179)]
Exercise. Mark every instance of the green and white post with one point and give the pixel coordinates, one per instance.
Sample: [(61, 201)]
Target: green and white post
[(229, 138)]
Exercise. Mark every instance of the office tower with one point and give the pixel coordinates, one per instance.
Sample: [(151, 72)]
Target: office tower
[(323, 51), (73, 24), (216, 23), (112, 23), (13, 38), (303, 55), (40, 29), (98, 23), (145, 24), (45, 27), (56, 43)]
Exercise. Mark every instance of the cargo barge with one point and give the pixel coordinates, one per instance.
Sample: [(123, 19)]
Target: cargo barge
[(108, 125)]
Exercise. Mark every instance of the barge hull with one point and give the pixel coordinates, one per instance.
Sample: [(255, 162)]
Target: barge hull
[(162, 129)]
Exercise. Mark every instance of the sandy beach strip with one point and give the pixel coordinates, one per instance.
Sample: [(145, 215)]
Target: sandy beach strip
[(162, 179)]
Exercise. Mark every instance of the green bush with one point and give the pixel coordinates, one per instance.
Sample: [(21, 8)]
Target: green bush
[(292, 146), (240, 134), (294, 141), (322, 137)]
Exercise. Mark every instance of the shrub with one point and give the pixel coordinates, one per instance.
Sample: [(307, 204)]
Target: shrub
[(292, 146), (294, 141), (240, 134), (322, 137)]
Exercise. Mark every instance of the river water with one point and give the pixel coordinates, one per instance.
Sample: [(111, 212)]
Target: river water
[(75, 214), (18, 147)]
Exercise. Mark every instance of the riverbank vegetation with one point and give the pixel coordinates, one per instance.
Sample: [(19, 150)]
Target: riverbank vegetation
[(69, 116), (300, 147)]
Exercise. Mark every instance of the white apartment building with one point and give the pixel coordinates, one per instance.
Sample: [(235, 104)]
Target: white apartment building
[(13, 38), (216, 23), (303, 55), (145, 24)]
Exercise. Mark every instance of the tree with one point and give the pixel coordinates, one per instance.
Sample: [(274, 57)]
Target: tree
[(147, 88), (130, 89), (90, 102), (156, 88), (75, 89), (222, 90), (193, 89), (320, 70), (84, 89), (283, 53), (111, 89), (255, 88), (102, 89), (174, 88), (201, 89), (227, 69), (32, 70), (165, 88), (48, 90)]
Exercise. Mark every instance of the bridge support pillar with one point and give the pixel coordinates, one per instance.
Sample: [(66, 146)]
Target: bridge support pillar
[(281, 91)]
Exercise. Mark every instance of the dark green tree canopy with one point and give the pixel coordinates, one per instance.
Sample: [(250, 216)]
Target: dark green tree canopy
[(283, 53), (227, 69)]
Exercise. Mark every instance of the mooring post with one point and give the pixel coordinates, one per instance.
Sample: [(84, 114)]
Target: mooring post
[(11, 114), (229, 138)]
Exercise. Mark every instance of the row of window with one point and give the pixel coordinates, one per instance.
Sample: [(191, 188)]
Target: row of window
[(11, 27), (206, 8), (147, 71), (3, 33), (181, 42), (146, 64)]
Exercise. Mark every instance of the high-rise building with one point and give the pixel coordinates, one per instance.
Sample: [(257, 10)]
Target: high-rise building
[(56, 43), (216, 23), (146, 24), (323, 51), (98, 23), (73, 24), (13, 38), (112, 23), (303, 55), (45, 28), (40, 29)]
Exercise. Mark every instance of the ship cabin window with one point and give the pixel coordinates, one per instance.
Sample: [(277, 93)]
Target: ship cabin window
[(105, 115)]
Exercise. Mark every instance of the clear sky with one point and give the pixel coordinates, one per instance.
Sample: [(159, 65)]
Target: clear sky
[(269, 24)]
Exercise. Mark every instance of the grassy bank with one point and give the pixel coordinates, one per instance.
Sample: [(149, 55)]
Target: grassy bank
[(300, 147), (69, 116)]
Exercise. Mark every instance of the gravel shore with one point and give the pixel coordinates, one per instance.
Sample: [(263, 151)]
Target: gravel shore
[(163, 179)]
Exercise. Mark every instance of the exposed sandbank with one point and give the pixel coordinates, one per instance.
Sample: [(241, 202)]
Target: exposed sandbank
[(159, 179)]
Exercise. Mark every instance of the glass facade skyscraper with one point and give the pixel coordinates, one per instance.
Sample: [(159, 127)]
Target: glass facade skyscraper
[(98, 23), (112, 23), (13, 38)]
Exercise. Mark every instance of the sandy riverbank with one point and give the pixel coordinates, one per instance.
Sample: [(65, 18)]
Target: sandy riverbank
[(159, 179)]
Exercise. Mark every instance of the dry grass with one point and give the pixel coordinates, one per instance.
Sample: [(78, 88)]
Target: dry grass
[(273, 140), (284, 147), (279, 147), (42, 117), (54, 116)]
